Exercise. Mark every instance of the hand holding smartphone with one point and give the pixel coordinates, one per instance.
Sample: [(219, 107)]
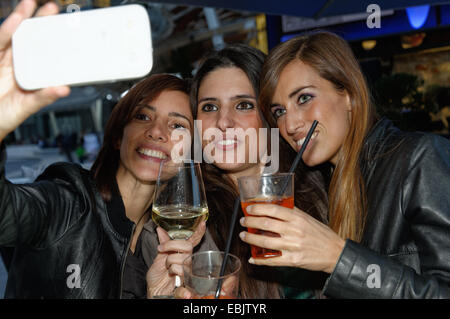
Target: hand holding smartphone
[(16, 105), (86, 47)]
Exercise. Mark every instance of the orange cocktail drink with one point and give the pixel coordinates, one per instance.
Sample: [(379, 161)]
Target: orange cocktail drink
[(259, 252), (275, 189)]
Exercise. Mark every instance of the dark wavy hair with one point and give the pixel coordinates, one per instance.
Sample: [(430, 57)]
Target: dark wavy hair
[(255, 281), (107, 163)]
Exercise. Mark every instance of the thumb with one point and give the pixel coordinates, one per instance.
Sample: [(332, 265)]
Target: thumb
[(163, 236), (198, 234)]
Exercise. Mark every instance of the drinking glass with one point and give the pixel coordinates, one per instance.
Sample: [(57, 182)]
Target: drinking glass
[(275, 189), (202, 275), (179, 203)]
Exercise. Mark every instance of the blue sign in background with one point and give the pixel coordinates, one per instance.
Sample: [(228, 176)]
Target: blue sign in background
[(397, 23)]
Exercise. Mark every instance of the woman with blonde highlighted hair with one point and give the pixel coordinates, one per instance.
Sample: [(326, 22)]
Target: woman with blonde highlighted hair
[(389, 217)]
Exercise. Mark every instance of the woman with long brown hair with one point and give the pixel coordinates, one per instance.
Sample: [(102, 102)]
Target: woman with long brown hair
[(76, 232), (389, 218), (224, 99)]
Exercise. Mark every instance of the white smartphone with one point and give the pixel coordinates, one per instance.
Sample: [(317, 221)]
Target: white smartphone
[(85, 47)]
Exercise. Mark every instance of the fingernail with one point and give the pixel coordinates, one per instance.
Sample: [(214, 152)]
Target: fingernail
[(242, 235), (49, 5), (242, 221), (249, 209), (159, 248), (251, 260)]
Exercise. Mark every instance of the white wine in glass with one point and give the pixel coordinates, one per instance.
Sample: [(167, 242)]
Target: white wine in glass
[(179, 222), (180, 203)]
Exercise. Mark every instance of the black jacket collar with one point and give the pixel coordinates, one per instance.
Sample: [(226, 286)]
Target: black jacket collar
[(116, 213)]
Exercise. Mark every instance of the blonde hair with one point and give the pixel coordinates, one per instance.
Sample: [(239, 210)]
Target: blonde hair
[(332, 58)]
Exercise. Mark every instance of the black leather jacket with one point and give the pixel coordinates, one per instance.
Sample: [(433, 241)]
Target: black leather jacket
[(406, 239), (61, 230)]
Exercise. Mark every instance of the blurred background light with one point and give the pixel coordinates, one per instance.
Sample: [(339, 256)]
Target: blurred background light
[(369, 44), (417, 15)]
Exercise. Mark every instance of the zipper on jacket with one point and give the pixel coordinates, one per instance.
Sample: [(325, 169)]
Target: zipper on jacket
[(122, 270)]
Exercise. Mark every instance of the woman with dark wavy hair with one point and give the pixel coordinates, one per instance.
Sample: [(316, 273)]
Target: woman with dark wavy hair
[(389, 219)]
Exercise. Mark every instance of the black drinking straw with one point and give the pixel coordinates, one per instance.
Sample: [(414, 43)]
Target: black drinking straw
[(302, 149), (299, 155), (228, 246), (237, 204)]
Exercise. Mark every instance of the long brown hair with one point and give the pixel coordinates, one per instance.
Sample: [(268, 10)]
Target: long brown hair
[(255, 281), (332, 58), (107, 162)]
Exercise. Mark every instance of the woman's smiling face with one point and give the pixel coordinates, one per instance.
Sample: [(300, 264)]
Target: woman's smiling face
[(302, 96), (147, 141), (226, 100)]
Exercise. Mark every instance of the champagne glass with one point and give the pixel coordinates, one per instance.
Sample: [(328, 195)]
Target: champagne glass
[(179, 203)]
